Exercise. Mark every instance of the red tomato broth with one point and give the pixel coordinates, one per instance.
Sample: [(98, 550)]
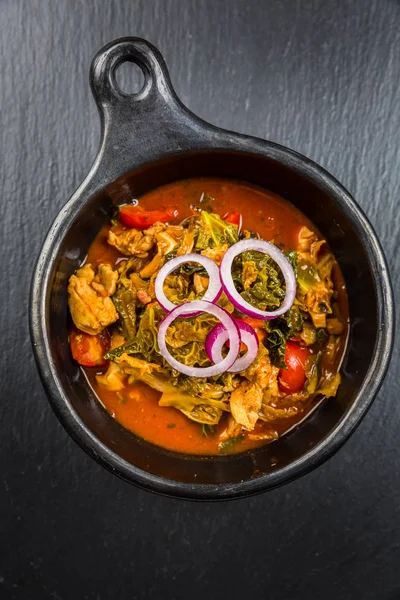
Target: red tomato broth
[(273, 218)]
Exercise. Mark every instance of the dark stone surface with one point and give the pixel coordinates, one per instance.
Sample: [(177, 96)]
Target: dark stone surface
[(320, 77)]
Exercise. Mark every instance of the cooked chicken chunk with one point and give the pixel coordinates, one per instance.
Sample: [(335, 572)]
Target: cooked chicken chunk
[(158, 227), (306, 238), (92, 309), (309, 247), (165, 243), (264, 373), (245, 404), (132, 242), (105, 282)]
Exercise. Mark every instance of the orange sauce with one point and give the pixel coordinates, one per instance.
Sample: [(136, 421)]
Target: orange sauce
[(136, 407)]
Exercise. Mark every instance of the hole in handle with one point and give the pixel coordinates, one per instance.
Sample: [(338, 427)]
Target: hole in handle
[(129, 72), (130, 77)]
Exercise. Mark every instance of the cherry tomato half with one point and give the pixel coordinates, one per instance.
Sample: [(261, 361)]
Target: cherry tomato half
[(138, 218), (89, 350), (292, 379), (233, 217)]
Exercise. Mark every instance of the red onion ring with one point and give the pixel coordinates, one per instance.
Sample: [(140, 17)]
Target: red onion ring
[(214, 284), (218, 336), (227, 321), (229, 287)]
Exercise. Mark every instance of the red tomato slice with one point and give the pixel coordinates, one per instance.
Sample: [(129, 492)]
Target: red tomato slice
[(292, 379), (138, 218), (89, 350), (233, 217)]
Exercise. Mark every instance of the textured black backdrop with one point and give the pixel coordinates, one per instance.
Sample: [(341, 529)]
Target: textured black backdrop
[(319, 76)]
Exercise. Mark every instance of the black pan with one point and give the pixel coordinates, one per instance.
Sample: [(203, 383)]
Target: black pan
[(150, 139)]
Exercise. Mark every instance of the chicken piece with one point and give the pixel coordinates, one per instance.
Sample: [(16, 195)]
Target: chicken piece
[(200, 283), (91, 310), (165, 243), (86, 272), (245, 404), (156, 228), (305, 238), (317, 247), (262, 372), (105, 282), (216, 254), (132, 242), (309, 248), (167, 237)]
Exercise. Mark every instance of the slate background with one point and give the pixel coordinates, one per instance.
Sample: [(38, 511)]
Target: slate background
[(319, 76)]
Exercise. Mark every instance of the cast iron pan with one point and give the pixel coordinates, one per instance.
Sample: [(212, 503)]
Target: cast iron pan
[(150, 139)]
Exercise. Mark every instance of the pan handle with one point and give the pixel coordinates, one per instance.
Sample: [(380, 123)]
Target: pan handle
[(142, 126)]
